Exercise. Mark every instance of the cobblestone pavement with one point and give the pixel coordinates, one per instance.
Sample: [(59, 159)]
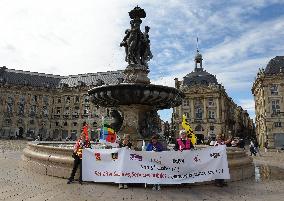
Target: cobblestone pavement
[(17, 183)]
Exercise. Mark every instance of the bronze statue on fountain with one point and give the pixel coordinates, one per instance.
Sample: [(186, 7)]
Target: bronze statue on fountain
[(135, 101)]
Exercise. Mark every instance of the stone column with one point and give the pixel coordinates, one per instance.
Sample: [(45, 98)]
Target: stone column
[(217, 110), (205, 110), (192, 110)]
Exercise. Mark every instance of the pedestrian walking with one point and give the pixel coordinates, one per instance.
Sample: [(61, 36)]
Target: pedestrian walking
[(251, 148)]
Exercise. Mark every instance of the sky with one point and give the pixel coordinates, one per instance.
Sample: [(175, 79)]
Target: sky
[(67, 37)]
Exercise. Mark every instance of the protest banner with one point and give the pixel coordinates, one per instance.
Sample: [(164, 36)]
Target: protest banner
[(167, 167)]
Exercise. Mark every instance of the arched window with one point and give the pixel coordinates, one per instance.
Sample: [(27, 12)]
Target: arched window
[(198, 128)]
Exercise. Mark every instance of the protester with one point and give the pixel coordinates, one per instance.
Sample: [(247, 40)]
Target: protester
[(265, 146), (183, 143), (77, 155), (219, 141), (251, 148), (124, 143), (154, 145)]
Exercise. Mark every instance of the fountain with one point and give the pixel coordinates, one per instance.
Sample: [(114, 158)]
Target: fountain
[(137, 101)]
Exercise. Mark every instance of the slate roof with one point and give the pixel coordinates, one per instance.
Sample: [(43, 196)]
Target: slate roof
[(19, 77), (199, 77), (274, 65), (91, 79), (35, 79)]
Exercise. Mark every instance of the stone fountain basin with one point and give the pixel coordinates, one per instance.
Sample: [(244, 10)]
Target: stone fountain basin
[(158, 96), (55, 159)]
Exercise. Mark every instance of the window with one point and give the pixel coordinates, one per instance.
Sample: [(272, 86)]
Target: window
[(185, 102), (274, 89), (57, 123), (198, 113), (77, 99), (74, 123), (33, 110), (58, 100), (86, 110), (275, 106), (65, 123), (45, 100), (211, 114), (210, 101), (277, 124), (187, 115), (212, 128), (58, 110), (34, 98), (86, 98), (45, 111), (67, 99)]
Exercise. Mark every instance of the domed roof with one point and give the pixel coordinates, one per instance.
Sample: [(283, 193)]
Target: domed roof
[(199, 77), (274, 65)]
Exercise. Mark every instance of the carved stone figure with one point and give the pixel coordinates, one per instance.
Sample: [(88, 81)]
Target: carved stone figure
[(136, 43)]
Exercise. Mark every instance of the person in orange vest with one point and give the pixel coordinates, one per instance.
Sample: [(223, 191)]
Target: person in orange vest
[(81, 144), (183, 143)]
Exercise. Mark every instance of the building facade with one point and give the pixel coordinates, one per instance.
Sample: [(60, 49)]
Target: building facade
[(53, 107), (268, 91), (208, 108)]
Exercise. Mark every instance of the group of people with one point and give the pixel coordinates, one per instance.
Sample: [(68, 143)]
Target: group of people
[(182, 143)]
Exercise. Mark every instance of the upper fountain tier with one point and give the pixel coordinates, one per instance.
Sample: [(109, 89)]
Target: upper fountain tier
[(160, 97)]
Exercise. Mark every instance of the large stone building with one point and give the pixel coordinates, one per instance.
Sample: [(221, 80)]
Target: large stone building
[(268, 91), (51, 106), (208, 108)]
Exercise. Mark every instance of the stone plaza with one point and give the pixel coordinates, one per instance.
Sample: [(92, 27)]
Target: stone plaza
[(17, 183)]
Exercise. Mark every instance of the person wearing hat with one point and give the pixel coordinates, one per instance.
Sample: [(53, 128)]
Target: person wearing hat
[(183, 143), (154, 145)]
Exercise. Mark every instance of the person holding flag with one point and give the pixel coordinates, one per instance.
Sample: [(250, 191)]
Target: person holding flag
[(85, 130), (107, 134), (81, 144), (188, 129)]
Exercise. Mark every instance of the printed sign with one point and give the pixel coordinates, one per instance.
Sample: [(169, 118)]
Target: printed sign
[(167, 167)]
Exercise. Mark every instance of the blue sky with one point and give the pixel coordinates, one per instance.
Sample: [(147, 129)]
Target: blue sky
[(66, 37)]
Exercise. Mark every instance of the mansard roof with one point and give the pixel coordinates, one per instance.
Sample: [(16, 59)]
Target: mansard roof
[(275, 65), (94, 79), (199, 77), (19, 77), (35, 79)]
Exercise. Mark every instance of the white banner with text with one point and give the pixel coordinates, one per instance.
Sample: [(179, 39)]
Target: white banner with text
[(167, 167)]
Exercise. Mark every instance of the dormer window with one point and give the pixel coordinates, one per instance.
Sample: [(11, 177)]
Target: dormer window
[(185, 102)]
